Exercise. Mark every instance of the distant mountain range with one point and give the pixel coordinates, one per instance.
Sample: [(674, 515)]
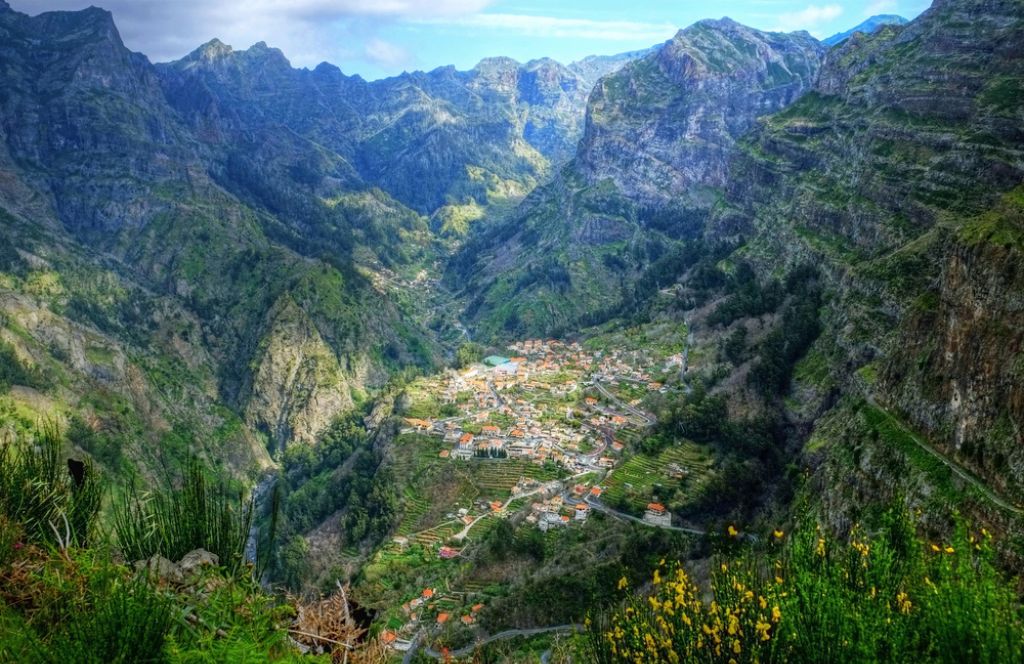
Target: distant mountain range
[(869, 26)]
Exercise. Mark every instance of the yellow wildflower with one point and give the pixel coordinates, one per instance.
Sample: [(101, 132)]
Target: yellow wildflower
[(935, 548), (776, 613), (950, 549), (778, 534), (732, 531), (820, 548), (623, 584)]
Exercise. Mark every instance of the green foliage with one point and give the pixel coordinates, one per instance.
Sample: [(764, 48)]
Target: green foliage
[(469, 353), (172, 522), (38, 491), (14, 372), (747, 297), (341, 473), (886, 597), (786, 344)]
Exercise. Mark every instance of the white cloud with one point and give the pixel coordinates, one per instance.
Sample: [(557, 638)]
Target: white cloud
[(569, 28), (386, 54), (808, 18), (308, 31)]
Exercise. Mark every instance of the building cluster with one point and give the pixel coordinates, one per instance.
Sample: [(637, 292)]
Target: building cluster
[(524, 406)]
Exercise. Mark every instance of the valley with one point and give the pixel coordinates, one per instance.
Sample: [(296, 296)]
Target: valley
[(525, 362)]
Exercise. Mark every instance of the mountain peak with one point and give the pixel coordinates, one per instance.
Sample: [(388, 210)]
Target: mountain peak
[(870, 25), (213, 49)]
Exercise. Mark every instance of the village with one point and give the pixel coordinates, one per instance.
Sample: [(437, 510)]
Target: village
[(549, 402), (549, 405)]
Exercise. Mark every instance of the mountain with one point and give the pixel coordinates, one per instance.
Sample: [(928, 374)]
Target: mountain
[(231, 233), (650, 167), (428, 139), (904, 185), (763, 299), (873, 24), (866, 167), (167, 287)]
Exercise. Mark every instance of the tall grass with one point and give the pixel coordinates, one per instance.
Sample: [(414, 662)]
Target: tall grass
[(38, 491), (171, 522), (127, 623)]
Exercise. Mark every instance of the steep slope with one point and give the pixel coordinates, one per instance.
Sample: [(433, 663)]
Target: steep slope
[(654, 155), (429, 139), (114, 204), (900, 174)]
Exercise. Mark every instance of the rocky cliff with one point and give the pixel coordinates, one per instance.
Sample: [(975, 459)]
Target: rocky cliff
[(899, 175), (427, 138), (656, 150), (162, 271)]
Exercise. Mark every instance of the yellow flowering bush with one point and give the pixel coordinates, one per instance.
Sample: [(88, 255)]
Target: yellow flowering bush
[(884, 597)]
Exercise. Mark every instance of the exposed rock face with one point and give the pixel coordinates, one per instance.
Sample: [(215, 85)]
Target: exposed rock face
[(156, 251), (298, 386), (418, 136), (899, 175), (665, 124), (958, 371), (657, 145)]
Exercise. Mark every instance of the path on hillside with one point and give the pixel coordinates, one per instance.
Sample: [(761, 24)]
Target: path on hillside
[(597, 505), (957, 469), (507, 634), (462, 534)]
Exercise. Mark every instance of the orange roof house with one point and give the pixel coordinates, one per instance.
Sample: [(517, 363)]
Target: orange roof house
[(596, 492), (442, 618), (388, 637), (427, 593), (656, 507)]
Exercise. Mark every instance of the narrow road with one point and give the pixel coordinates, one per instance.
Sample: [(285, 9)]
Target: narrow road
[(507, 634), (957, 469), (629, 517), (646, 417)]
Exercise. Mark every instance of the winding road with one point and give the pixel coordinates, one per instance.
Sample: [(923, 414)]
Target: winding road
[(957, 469), (649, 419), (601, 507), (507, 634)]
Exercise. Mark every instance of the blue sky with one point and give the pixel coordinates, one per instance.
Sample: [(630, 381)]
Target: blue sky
[(376, 38)]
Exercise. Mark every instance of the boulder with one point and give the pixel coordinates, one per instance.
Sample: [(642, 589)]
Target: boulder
[(161, 569), (194, 561)]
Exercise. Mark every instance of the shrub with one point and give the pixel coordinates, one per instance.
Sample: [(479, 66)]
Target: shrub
[(38, 490), (887, 598), (199, 515)]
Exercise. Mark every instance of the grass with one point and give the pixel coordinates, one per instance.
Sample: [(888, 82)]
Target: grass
[(38, 491), (642, 478), (199, 515)]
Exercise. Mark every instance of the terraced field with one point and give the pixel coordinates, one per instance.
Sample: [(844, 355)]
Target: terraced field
[(498, 477), (641, 477)]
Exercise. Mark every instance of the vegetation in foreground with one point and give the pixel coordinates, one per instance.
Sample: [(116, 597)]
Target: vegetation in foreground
[(66, 594), (886, 597)]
